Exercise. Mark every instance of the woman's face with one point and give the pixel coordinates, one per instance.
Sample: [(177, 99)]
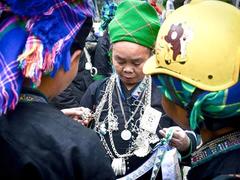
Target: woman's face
[(175, 112), (128, 60)]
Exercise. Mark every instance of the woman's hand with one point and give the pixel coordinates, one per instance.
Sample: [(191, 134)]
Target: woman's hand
[(180, 140), (79, 114)]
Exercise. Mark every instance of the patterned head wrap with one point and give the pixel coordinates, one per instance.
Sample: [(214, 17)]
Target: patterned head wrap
[(201, 104), (135, 21), (36, 40), (107, 14)]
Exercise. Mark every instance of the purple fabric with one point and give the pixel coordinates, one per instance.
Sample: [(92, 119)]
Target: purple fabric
[(51, 25), (10, 75)]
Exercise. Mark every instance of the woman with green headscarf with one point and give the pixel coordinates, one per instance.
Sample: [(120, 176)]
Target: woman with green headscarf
[(127, 112), (196, 67)]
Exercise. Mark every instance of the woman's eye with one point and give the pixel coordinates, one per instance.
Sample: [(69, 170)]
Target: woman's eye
[(120, 62), (136, 63)]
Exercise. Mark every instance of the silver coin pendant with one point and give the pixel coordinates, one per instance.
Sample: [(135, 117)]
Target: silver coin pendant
[(126, 135)]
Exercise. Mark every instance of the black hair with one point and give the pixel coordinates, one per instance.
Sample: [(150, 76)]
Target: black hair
[(79, 41)]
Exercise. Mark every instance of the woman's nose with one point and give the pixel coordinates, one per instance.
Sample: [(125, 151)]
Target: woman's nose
[(128, 69)]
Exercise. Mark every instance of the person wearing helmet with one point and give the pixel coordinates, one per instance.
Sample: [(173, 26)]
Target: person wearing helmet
[(196, 68)]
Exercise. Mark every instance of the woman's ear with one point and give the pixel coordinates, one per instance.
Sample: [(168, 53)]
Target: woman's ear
[(76, 56)]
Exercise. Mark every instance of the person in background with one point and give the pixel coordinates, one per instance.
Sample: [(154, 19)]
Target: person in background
[(38, 141), (102, 58), (156, 6), (127, 100), (197, 71)]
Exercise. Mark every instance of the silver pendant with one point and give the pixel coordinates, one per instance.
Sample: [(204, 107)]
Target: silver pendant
[(112, 122), (88, 66), (103, 129), (142, 145), (142, 151), (119, 166), (153, 139), (126, 135)]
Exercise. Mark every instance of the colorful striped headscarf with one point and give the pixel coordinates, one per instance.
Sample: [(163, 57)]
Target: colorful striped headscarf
[(40, 43), (10, 75), (218, 105)]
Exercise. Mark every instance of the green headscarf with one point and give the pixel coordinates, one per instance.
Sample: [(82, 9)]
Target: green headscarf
[(217, 104), (135, 21)]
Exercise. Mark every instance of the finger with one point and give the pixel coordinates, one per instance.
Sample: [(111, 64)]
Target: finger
[(176, 128), (82, 123), (76, 118), (162, 133), (73, 112), (176, 135), (69, 110), (86, 122), (165, 129), (179, 134), (176, 141), (180, 144)]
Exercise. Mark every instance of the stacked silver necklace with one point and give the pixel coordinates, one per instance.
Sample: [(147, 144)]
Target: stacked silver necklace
[(139, 146), (126, 134)]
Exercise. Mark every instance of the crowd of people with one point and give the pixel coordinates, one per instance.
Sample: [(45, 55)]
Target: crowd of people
[(157, 91)]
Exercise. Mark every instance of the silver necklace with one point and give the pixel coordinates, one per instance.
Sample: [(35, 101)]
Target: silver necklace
[(119, 160), (126, 134)]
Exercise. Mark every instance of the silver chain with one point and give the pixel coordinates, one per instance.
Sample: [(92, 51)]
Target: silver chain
[(136, 109), (111, 119)]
